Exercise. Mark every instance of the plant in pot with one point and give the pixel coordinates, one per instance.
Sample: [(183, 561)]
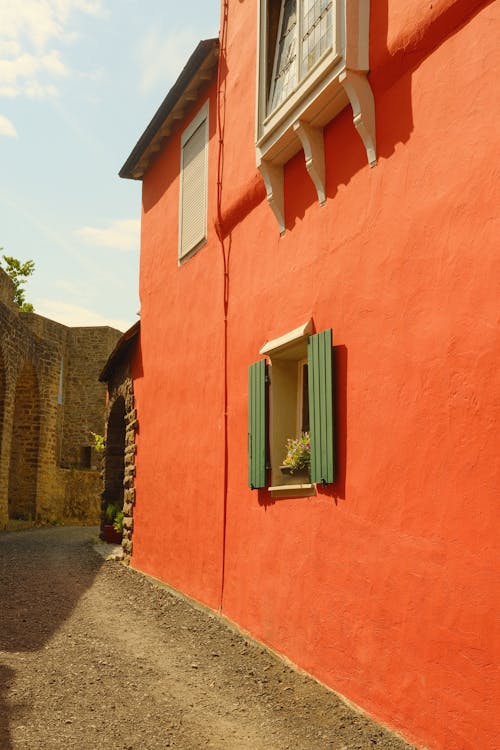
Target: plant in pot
[(298, 456), (118, 523), (113, 524)]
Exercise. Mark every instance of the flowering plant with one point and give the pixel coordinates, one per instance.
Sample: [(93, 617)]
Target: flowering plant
[(298, 453), (99, 442)]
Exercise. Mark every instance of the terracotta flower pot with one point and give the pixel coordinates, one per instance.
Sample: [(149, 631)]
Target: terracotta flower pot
[(111, 536)]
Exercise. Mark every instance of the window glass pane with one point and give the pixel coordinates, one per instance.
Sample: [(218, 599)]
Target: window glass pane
[(316, 31), (285, 67)]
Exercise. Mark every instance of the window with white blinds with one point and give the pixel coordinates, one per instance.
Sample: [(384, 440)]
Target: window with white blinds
[(194, 184)]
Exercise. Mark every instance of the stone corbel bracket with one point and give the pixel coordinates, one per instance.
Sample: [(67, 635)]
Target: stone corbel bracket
[(273, 175), (311, 139), (360, 94)]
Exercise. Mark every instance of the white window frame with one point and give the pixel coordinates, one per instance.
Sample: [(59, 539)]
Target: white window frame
[(305, 84), (286, 354), (337, 79), (202, 117)]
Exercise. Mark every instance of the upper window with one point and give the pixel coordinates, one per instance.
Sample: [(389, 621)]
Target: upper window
[(194, 185), (313, 62), (305, 34)]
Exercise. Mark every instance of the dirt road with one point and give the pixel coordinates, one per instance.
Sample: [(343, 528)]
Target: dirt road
[(94, 655)]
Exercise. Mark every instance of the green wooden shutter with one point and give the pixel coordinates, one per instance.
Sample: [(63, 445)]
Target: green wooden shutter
[(321, 407), (257, 427)]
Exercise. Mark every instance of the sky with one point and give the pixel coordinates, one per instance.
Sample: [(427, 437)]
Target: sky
[(79, 82)]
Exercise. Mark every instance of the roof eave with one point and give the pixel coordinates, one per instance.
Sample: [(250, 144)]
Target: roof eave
[(121, 348), (195, 76)]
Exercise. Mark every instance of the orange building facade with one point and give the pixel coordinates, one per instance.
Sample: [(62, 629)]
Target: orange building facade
[(368, 208)]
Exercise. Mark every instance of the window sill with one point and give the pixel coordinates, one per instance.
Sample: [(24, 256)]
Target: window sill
[(189, 254), (316, 101), (293, 490)]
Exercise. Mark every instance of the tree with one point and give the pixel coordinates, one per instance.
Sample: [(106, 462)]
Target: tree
[(18, 272)]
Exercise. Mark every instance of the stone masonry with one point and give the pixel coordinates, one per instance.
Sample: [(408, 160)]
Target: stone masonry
[(121, 428), (50, 402)]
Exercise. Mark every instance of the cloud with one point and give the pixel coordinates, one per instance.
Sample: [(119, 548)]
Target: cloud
[(39, 21), (7, 128), (161, 56), (9, 47), (122, 234), (74, 315), (21, 75), (29, 61)]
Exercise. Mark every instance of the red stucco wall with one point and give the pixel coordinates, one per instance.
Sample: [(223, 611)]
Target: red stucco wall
[(382, 586)]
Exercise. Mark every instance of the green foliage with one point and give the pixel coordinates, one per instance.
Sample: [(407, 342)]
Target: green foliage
[(118, 522), (298, 453), (114, 516), (99, 442), (18, 272), (111, 512)]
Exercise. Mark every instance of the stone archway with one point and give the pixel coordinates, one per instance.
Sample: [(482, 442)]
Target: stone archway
[(119, 459), (114, 469), (23, 470)]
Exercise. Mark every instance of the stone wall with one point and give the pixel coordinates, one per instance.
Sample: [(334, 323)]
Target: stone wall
[(121, 428), (84, 396), (50, 401), (82, 495)]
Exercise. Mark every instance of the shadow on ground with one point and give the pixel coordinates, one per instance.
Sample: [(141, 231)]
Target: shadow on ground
[(43, 574)]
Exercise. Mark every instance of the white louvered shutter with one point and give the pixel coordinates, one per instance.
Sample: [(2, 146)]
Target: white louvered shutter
[(193, 209)]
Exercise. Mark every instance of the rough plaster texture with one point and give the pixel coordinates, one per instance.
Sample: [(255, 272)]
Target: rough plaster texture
[(384, 585), (45, 420)]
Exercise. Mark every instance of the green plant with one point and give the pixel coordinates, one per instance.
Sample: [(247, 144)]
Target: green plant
[(118, 522), (99, 442), (110, 512), (298, 453), (18, 272)]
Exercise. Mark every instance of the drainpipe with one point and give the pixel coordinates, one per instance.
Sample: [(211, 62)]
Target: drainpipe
[(225, 253)]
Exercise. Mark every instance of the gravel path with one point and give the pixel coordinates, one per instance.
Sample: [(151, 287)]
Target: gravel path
[(95, 655)]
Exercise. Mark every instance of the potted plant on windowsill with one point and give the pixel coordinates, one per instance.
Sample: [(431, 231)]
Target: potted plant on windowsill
[(297, 460), (113, 525)]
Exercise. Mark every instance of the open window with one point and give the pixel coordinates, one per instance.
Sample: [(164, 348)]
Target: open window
[(312, 63), (291, 395)]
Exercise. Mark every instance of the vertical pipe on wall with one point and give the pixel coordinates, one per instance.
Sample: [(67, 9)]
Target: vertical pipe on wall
[(225, 253)]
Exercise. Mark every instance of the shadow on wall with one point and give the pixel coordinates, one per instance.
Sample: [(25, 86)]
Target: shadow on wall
[(23, 471), (114, 456), (42, 578), (345, 153), (391, 82)]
